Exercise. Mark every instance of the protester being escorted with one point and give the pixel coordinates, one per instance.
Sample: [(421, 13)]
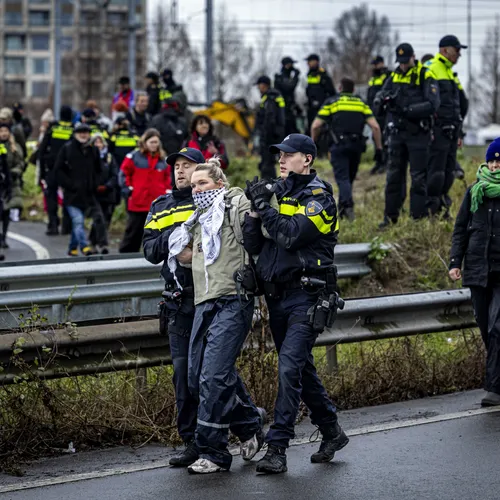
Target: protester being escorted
[(475, 248), (295, 243), (347, 115), (107, 186), (145, 177), (125, 93), (223, 317), (122, 141), (138, 116), (269, 125), (168, 212), (77, 169), (204, 139), (153, 91), (171, 125), (57, 135)]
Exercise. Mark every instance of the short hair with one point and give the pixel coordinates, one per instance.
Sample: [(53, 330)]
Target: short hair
[(426, 57), (214, 170), (347, 84)]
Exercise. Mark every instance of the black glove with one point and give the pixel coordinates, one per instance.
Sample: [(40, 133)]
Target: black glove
[(379, 156), (261, 194), (247, 192)]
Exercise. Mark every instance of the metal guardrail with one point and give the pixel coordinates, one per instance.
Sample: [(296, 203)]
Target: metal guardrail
[(351, 261), (124, 346)]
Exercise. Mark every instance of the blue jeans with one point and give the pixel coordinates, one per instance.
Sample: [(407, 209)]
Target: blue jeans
[(78, 236), (219, 330), (294, 339)]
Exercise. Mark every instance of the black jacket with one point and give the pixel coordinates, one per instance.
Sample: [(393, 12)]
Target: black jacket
[(56, 136), (319, 88), (303, 232), (154, 104), (286, 83), (166, 213), (173, 130), (138, 123), (5, 176), (270, 122), (77, 169), (121, 143), (108, 177), (476, 241)]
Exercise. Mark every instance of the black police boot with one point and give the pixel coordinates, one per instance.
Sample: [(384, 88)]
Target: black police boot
[(386, 222), (52, 231), (334, 439), (3, 242), (274, 461), (187, 457)]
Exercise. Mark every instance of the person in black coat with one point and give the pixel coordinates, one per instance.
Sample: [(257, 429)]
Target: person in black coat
[(476, 243), (78, 167)]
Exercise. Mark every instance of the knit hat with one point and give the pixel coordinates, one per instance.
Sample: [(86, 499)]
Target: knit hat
[(98, 135), (493, 151)]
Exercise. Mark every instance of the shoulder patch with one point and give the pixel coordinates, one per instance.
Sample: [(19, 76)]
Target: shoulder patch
[(313, 208), (317, 191)]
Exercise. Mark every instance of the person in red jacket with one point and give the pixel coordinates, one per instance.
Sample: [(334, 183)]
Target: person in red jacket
[(203, 138), (144, 177)]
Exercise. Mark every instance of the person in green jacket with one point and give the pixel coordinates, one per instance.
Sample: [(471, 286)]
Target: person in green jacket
[(12, 205)]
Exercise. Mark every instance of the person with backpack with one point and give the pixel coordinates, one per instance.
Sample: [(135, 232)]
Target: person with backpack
[(211, 242)]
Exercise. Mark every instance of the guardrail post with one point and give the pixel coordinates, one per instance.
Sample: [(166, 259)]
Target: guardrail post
[(331, 360), (141, 380)]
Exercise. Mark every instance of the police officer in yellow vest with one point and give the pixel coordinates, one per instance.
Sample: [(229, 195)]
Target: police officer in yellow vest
[(448, 126), (56, 136), (122, 140), (411, 97), (379, 73), (269, 125)]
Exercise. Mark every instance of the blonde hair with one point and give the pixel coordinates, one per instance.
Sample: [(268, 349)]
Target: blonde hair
[(214, 170)]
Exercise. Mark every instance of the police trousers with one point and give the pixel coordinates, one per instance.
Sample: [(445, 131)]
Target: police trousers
[(179, 322), (345, 158), (219, 331), (441, 167), (486, 304), (406, 147), (267, 165), (294, 339)]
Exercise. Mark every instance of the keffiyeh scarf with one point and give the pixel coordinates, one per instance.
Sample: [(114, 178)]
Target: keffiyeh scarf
[(210, 214)]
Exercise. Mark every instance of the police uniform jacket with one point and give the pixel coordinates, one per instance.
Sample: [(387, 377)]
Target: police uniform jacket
[(166, 213), (5, 177), (416, 86), (301, 233), (56, 136), (286, 84), (319, 87), (97, 128), (121, 143), (270, 121), (454, 103), (154, 103), (346, 115), (375, 84)]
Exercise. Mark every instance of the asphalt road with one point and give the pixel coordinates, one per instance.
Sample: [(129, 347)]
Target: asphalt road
[(439, 448)]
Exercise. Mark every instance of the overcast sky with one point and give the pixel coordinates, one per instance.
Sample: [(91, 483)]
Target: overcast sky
[(296, 23)]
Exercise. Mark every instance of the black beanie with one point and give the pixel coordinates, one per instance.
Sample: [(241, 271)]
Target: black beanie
[(66, 113)]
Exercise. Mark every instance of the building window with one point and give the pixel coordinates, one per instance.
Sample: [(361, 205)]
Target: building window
[(40, 89), (13, 13), (40, 42), (14, 66), (39, 18), (67, 44), (117, 19), (14, 42), (39, 1), (41, 66), (67, 19), (15, 89)]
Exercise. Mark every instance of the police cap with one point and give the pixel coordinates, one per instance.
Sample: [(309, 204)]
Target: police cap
[(82, 127), (404, 52), (263, 79), (287, 60), (295, 143), (17, 106), (377, 59), (451, 41), (191, 154), (312, 57)]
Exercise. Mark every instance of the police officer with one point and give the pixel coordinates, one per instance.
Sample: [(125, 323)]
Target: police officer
[(448, 126), (269, 125), (286, 82), (411, 97), (177, 311), (89, 117), (319, 88), (122, 140), (347, 115), (379, 73), (56, 136), (300, 238), (171, 89), (153, 91)]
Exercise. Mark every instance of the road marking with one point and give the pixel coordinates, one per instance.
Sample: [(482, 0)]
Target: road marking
[(41, 252), (72, 478)]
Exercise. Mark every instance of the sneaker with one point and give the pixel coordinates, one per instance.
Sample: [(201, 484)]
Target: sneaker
[(87, 251), (204, 466), (334, 439), (491, 399), (250, 448), (187, 457), (73, 253), (274, 461)]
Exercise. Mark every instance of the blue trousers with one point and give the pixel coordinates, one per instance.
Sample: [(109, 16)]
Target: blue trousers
[(78, 236), (345, 158), (294, 339), (219, 330)]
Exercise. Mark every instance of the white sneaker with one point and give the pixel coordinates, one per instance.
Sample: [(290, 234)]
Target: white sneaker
[(249, 448), (204, 466)]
